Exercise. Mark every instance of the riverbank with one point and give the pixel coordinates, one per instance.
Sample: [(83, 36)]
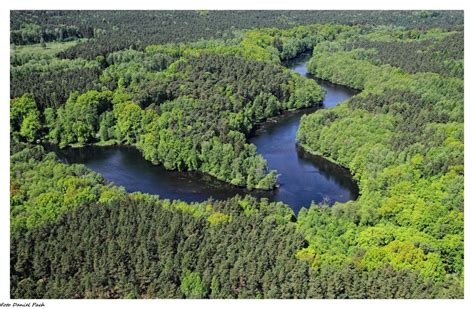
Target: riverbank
[(303, 179)]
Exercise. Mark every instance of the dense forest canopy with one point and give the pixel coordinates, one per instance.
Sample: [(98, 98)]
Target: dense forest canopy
[(186, 88), (115, 30), (92, 240), (186, 106), (402, 137)]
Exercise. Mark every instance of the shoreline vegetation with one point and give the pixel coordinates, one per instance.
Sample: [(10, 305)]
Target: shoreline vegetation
[(75, 236), (319, 154), (386, 136), (101, 111)]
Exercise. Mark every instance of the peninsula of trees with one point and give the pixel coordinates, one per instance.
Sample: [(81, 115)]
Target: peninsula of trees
[(188, 98)]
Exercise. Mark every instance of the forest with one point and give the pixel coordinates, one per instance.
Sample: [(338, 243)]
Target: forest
[(402, 137), (74, 236), (160, 100), (189, 102), (111, 31)]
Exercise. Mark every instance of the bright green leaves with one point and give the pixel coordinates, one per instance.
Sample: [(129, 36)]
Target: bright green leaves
[(192, 286), (78, 120), (258, 45), (402, 138), (24, 117), (128, 125), (20, 108), (106, 126), (404, 255), (30, 126), (43, 189), (268, 181), (307, 93), (218, 217)]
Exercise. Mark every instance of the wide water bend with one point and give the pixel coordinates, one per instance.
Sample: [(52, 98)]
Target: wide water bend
[(303, 177)]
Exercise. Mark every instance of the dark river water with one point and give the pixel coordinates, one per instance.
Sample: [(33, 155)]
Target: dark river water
[(303, 177)]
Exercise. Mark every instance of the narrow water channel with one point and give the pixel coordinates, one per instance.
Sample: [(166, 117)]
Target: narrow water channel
[(303, 177)]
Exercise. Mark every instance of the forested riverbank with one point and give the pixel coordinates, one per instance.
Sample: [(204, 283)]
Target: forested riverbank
[(191, 106), (402, 138), (104, 243), (298, 172), (187, 107)]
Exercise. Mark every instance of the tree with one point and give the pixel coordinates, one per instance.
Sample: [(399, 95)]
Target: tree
[(128, 124), (78, 120), (192, 285), (215, 287), (30, 126), (20, 108), (106, 126), (24, 117)]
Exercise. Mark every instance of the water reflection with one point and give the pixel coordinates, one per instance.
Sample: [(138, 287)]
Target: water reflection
[(303, 177)]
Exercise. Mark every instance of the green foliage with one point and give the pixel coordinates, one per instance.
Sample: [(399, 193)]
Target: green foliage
[(51, 80), (215, 287), (218, 217), (257, 45), (78, 120), (24, 117), (402, 138), (139, 29), (30, 127), (20, 108), (41, 189), (105, 243), (191, 285), (307, 93), (124, 241), (128, 124), (20, 54), (438, 52), (31, 33), (106, 126), (189, 107)]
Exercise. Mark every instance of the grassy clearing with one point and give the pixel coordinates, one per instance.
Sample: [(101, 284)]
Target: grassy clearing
[(51, 49)]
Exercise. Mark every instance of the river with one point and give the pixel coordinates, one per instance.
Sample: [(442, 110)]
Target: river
[(303, 177)]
